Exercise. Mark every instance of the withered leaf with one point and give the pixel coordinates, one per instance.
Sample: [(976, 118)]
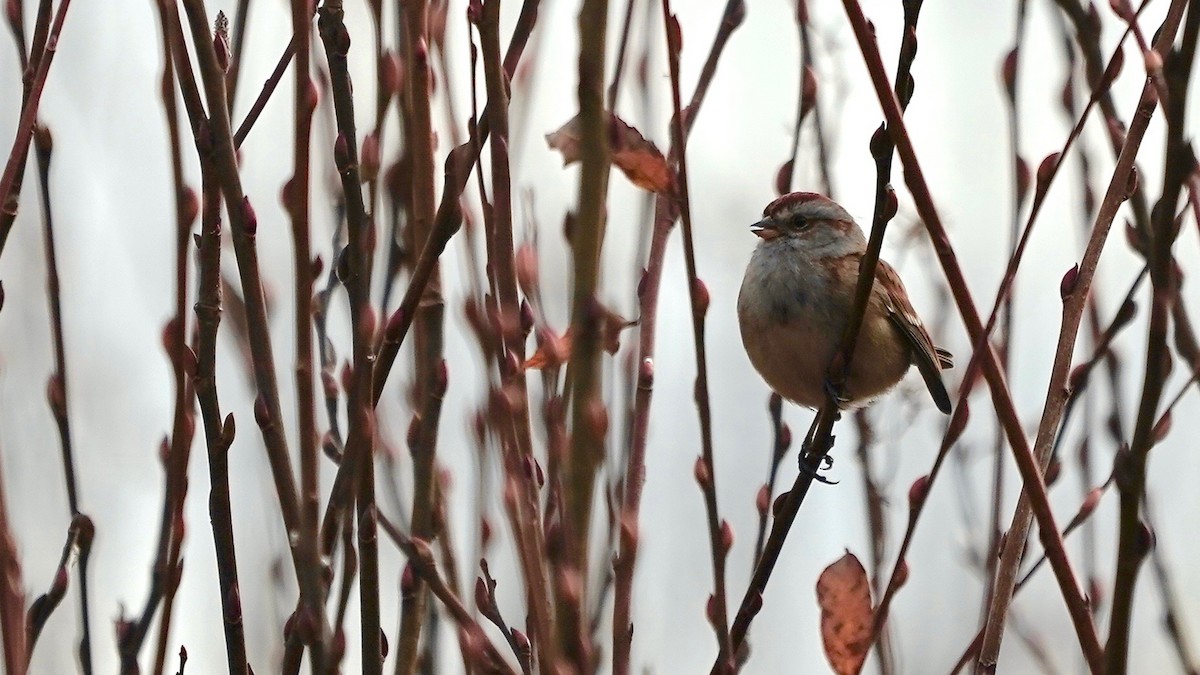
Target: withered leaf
[(556, 350), (639, 159), (844, 595)]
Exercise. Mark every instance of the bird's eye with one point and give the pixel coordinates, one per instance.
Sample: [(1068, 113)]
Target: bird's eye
[(801, 223)]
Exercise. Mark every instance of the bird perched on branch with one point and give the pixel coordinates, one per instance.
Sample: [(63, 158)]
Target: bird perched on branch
[(796, 299)]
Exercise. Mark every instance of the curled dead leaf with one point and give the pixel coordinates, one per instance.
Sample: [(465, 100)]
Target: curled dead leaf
[(844, 595), (555, 351), (639, 159)]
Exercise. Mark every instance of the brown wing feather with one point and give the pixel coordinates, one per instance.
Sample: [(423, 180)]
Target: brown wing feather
[(929, 359)]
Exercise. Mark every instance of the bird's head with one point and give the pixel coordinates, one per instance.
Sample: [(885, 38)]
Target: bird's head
[(810, 221)]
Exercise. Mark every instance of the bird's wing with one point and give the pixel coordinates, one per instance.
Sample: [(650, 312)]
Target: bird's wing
[(929, 359)]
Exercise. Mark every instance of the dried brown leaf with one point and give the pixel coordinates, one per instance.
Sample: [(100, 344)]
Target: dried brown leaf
[(565, 139), (555, 351), (639, 159), (844, 595)]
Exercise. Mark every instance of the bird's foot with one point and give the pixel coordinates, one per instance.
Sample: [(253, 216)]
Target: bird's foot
[(826, 462)]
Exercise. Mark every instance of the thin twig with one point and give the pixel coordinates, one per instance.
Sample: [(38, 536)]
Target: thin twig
[(719, 532), (79, 541), (513, 422), (782, 441), (272, 81), (421, 557), (665, 213), (268, 413), (587, 412), (45, 46), (13, 636), (219, 432), (430, 369), (1135, 537), (57, 388), (361, 234), (1074, 302), (297, 202)]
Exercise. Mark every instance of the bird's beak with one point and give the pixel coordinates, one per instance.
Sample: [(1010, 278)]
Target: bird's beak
[(765, 229)]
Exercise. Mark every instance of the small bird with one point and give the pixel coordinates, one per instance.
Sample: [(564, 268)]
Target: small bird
[(798, 293)]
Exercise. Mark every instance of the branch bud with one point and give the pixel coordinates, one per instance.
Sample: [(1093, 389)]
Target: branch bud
[(702, 472)]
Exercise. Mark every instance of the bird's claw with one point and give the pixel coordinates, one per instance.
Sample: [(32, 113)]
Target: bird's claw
[(826, 463)]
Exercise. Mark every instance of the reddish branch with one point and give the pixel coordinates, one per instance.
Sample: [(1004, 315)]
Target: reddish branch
[(359, 458), (44, 47), (589, 417), (57, 390), (268, 413), (1057, 392), (665, 213), (219, 432), (1136, 538), (513, 421), (720, 535), (430, 370), (297, 202), (12, 594)]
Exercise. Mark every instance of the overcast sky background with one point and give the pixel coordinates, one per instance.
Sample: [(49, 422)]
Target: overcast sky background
[(114, 220)]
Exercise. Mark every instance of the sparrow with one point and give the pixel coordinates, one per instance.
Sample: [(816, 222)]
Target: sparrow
[(797, 295)]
